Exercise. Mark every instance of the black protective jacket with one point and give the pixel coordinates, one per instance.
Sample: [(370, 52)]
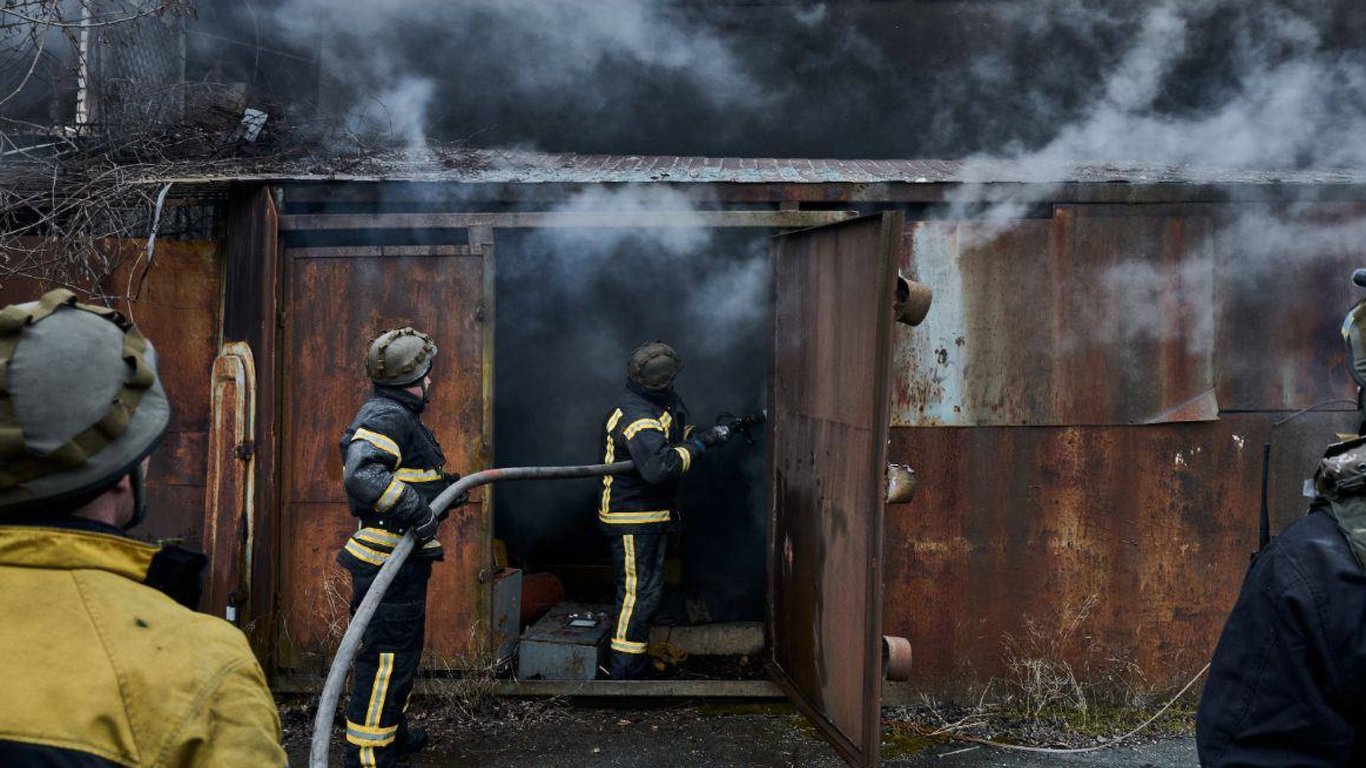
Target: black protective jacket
[(651, 429), (393, 470), (1287, 685)]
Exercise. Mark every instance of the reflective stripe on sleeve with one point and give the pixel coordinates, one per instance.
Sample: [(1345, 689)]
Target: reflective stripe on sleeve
[(636, 427), (382, 442), (390, 496), (685, 455)]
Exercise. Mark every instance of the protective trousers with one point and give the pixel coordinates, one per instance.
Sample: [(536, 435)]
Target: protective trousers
[(639, 562), (382, 679)]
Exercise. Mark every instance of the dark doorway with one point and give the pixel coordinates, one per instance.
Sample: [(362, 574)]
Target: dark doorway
[(571, 305)]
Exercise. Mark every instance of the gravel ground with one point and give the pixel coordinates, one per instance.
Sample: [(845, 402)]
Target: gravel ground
[(652, 735)]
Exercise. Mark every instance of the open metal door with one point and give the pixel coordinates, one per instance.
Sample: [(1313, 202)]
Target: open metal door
[(829, 409)]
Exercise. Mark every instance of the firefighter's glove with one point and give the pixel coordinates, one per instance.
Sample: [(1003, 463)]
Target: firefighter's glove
[(712, 436), (426, 530), (458, 501)]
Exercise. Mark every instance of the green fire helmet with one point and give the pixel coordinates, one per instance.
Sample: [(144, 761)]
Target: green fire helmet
[(80, 402), (1342, 472), (654, 366), (400, 356)]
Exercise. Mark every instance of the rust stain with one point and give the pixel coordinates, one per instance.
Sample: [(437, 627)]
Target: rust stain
[(828, 410), (335, 306), (1011, 525)]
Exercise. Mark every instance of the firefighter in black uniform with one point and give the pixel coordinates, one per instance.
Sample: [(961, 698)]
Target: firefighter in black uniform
[(1287, 681), (393, 469), (649, 426)]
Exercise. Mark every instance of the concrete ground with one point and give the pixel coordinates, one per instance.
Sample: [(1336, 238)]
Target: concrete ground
[(703, 736)]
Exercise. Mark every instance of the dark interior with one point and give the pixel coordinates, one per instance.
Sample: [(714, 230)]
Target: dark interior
[(571, 305)]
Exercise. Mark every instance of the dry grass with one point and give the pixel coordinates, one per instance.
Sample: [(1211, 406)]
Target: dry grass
[(1062, 687)]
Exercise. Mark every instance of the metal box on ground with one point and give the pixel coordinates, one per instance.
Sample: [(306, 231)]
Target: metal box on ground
[(566, 644), (507, 613)]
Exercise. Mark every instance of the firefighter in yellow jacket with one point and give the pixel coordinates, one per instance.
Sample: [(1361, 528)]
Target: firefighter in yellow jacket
[(106, 663)]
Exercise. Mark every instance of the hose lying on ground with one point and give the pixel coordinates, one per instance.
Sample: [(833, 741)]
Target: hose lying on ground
[(350, 643)]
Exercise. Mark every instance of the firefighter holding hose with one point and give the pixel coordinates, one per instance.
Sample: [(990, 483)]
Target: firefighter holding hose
[(647, 425), (393, 469)]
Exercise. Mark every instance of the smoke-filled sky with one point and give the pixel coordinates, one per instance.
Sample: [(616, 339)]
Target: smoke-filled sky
[(1276, 83)]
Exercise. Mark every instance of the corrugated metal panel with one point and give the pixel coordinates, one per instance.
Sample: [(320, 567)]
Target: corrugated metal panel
[(829, 403), (526, 167), (178, 311), (1283, 292), (1075, 320), (1013, 526)]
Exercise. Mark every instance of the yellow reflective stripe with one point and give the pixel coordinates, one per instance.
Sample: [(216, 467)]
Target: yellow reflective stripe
[(418, 475), (630, 518), (687, 431), (626, 646), (666, 421), (370, 742), (686, 456), (381, 442), (371, 730), (366, 736), (640, 425), (381, 689), (362, 552), (367, 758), (628, 605), (378, 536), (609, 456), (390, 496)]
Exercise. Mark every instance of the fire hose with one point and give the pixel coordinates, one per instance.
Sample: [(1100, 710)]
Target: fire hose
[(350, 643)]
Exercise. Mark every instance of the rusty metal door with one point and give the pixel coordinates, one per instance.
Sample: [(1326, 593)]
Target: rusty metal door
[(337, 299), (830, 408)]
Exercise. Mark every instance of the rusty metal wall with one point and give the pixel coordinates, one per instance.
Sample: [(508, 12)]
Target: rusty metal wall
[(1078, 319), (1145, 528), (832, 321), (338, 299), (178, 310)]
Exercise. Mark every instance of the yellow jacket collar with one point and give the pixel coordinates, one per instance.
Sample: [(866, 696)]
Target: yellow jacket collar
[(64, 549)]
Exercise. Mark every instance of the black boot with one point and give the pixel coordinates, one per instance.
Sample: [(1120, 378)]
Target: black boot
[(416, 740)]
